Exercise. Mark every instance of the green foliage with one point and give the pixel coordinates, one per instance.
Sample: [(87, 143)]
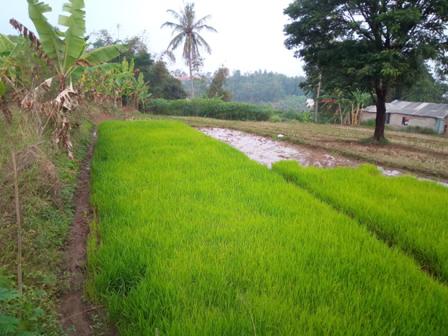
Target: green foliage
[(47, 180), (423, 89), (262, 87), (162, 83), (393, 208), (159, 79), (21, 68), (291, 103), (204, 241), (116, 82), (211, 108), (6, 45), (216, 88), (67, 49), (372, 46)]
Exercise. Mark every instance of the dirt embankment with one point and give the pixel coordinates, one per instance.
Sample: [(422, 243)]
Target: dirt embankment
[(74, 309)]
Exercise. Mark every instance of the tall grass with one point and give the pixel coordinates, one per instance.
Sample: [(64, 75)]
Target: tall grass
[(193, 238), (409, 213)]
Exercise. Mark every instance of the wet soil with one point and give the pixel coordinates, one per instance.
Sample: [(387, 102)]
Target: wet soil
[(268, 152)]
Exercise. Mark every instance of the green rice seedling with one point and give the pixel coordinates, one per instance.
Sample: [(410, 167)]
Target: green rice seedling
[(193, 238), (406, 212)]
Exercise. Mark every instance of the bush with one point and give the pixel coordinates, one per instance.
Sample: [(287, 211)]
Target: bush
[(294, 115), (368, 123), (418, 129), (210, 108)]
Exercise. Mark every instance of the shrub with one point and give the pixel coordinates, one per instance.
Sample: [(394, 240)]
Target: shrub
[(210, 108)]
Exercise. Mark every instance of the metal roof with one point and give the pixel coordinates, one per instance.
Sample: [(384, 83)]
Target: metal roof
[(430, 110)]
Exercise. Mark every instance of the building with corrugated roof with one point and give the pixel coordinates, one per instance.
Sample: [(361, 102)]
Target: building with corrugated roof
[(412, 114)]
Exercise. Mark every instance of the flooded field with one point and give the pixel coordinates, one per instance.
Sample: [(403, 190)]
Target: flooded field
[(268, 152)]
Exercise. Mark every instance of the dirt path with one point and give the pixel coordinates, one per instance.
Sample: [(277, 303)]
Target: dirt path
[(74, 310)]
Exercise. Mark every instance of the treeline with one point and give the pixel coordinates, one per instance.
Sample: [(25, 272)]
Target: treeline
[(263, 86), (268, 89)]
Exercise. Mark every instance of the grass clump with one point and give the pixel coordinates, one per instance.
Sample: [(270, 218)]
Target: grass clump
[(211, 108), (193, 238), (404, 211)]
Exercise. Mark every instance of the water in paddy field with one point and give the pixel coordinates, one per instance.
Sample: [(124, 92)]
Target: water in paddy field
[(268, 151)]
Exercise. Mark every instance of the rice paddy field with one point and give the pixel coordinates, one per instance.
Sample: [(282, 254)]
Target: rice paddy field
[(403, 211), (193, 238)]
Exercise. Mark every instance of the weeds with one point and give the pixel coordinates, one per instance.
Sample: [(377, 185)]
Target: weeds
[(46, 180)]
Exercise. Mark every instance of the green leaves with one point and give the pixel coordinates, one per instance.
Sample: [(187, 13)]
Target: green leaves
[(102, 55), (7, 294), (74, 35), (6, 45), (2, 93), (67, 49), (50, 37)]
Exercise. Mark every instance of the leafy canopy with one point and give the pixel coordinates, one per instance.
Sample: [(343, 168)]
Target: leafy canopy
[(369, 43)]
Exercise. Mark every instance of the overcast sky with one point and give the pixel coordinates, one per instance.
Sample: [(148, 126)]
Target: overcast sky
[(250, 32)]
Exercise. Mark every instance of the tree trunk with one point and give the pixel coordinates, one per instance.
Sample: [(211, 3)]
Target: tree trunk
[(381, 93), (190, 65), (316, 103)]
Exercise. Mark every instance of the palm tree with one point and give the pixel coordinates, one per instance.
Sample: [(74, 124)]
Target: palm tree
[(187, 31)]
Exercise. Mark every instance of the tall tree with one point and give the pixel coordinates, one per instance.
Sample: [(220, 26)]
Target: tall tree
[(187, 29), (216, 88), (163, 84), (370, 45)]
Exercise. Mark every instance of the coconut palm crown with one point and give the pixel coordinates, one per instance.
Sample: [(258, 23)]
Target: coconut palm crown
[(187, 32)]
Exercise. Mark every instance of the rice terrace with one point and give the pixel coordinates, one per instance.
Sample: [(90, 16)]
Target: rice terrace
[(148, 189)]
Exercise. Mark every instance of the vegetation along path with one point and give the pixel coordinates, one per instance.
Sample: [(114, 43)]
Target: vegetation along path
[(74, 309), (206, 241)]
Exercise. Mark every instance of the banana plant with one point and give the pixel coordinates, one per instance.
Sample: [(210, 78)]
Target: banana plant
[(141, 94), (6, 48), (64, 49)]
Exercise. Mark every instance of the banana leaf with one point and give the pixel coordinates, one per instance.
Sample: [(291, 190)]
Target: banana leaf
[(6, 45), (74, 42), (49, 36), (102, 55)]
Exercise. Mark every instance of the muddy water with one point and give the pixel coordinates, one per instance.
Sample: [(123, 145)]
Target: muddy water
[(267, 151)]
